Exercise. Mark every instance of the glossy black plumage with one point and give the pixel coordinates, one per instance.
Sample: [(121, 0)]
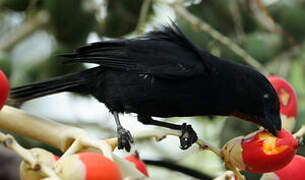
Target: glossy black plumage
[(163, 74)]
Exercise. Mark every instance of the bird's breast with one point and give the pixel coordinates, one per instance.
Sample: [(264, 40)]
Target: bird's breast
[(145, 94)]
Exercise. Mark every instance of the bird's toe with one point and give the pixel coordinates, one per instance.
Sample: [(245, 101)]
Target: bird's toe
[(188, 136), (124, 139)]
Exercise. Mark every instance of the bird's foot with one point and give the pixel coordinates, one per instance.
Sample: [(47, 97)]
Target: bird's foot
[(188, 136), (124, 139)]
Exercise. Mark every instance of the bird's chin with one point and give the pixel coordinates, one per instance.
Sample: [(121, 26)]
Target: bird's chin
[(265, 122), (247, 117)]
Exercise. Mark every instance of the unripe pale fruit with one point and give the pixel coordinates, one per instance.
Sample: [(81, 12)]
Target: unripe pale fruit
[(135, 159), (44, 157), (295, 170), (88, 166), (260, 151), (288, 100), (4, 89)]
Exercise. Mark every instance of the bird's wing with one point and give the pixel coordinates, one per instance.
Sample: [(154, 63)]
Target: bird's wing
[(165, 54)]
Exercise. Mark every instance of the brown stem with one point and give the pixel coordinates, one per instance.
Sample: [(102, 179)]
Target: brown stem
[(50, 132), (24, 30), (142, 17)]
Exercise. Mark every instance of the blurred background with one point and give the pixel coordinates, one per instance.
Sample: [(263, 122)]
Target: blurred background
[(33, 32)]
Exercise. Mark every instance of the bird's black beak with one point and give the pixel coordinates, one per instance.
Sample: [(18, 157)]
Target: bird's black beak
[(272, 130), (272, 123), (278, 123)]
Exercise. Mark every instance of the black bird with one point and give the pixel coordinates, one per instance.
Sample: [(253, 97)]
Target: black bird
[(163, 74)]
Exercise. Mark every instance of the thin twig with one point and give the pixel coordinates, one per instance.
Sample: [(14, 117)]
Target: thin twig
[(24, 30), (228, 175), (237, 19), (176, 167), (142, 16), (196, 22), (264, 18), (283, 58), (300, 133)]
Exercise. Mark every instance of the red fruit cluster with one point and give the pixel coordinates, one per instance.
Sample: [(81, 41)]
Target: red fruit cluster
[(288, 100), (265, 152), (135, 159), (88, 166), (260, 151), (295, 170), (81, 166), (4, 89)]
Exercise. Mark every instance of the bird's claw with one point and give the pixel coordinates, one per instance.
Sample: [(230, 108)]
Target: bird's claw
[(124, 139), (188, 136)]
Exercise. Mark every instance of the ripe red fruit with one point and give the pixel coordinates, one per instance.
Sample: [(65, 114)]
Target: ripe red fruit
[(4, 89), (266, 152), (134, 158), (288, 100), (88, 166), (293, 171), (260, 151)]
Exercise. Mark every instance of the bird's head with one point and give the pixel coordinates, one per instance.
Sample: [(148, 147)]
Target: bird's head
[(271, 118), (260, 104)]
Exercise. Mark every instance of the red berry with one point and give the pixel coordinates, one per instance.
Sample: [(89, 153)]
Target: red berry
[(4, 89), (265, 152), (88, 166), (288, 100), (295, 170), (134, 158), (260, 151)]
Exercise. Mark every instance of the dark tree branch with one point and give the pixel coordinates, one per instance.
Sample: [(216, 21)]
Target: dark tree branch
[(175, 167)]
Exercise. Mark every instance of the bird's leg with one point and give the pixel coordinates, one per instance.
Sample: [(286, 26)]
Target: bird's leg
[(124, 136), (188, 135)]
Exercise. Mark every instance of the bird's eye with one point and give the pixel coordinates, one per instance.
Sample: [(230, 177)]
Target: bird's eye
[(266, 96)]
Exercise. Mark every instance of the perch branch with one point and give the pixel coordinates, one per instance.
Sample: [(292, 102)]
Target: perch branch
[(162, 133), (68, 139), (71, 140), (198, 23), (19, 122), (27, 28)]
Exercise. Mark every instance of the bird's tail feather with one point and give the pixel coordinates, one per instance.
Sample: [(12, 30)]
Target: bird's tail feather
[(74, 82)]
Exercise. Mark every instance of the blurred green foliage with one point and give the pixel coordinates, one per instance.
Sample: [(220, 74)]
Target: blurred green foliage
[(16, 5), (263, 46), (124, 12), (51, 67), (216, 13), (71, 21), (122, 17), (6, 64)]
